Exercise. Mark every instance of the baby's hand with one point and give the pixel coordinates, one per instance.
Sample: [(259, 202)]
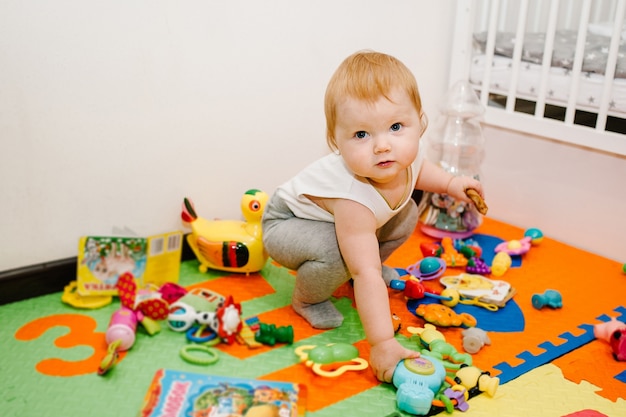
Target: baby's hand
[(459, 185), (385, 355)]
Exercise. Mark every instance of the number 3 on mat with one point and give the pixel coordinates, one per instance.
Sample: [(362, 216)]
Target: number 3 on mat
[(81, 334)]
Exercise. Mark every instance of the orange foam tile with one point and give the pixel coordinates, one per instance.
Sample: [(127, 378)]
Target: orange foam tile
[(246, 287), (595, 364)]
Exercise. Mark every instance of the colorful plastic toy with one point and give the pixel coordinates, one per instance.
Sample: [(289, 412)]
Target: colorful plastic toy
[(515, 247), (431, 249), (428, 268), (435, 345), (535, 235), (603, 331), (500, 264), (414, 289), (476, 290), (316, 357), (229, 245), (221, 314), (417, 381), (120, 335), (477, 381), (450, 255), (269, 334), (618, 344), (442, 315), (474, 339), (72, 297), (550, 298), (476, 265), (146, 301)]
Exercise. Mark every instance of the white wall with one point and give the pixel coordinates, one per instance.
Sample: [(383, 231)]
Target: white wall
[(572, 194), (111, 112)]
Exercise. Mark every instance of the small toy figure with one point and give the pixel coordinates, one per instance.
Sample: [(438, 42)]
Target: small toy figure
[(269, 334), (229, 245), (550, 298), (474, 339), (442, 315), (476, 380), (436, 346)]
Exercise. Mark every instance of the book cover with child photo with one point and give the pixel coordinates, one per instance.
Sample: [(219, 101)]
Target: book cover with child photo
[(186, 394)]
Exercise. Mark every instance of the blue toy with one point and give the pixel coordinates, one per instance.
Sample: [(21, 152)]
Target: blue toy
[(417, 381), (550, 298)]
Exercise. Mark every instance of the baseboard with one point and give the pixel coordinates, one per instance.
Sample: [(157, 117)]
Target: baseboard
[(47, 278)]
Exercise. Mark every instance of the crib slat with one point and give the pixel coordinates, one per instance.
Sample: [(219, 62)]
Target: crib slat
[(578, 62), (517, 55), (547, 59), (610, 66), (489, 51)]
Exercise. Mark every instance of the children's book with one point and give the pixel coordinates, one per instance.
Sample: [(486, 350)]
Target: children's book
[(102, 259), (185, 394)]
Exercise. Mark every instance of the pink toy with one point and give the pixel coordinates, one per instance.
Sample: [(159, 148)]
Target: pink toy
[(603, 331), (515, 247), (120, 336), (122, 327), (618, 344)]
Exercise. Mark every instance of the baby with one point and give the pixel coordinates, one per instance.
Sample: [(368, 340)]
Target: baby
[(343, 215)]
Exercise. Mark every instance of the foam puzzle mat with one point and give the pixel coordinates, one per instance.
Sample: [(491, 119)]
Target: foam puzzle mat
[(548, 360)]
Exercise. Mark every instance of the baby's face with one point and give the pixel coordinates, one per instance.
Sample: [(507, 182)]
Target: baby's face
[(378, 140)]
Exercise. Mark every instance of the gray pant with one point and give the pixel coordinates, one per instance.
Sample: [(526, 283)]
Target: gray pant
[(310, 247)]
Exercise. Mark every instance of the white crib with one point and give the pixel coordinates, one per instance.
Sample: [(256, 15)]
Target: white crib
[(551, 68)]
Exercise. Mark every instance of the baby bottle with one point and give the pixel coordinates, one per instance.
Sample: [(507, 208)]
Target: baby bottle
[(455, 142)]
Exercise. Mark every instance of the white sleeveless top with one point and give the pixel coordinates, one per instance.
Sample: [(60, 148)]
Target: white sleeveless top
[(329, 177)]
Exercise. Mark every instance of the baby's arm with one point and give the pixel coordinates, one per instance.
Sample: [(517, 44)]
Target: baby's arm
[(434, 179), (356, 234)]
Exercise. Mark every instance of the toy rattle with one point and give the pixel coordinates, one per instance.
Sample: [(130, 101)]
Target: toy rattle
[(316, 357)]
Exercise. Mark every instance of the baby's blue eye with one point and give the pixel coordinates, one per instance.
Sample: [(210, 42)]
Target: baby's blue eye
[(360, 134), (395, 127)]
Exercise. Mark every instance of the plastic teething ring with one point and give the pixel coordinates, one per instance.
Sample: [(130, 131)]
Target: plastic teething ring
[(356, 365), (200, 334), (209, 358)]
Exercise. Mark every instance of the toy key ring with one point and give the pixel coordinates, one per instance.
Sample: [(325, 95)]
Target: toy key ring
[(207, 354)]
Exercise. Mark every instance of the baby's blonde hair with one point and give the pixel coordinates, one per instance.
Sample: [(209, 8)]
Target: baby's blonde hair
[(367, 75)]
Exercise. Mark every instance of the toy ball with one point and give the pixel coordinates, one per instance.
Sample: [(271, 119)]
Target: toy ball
[(535, 235), (430, 266), (624, 268)]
